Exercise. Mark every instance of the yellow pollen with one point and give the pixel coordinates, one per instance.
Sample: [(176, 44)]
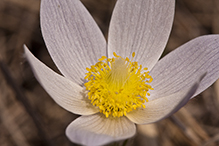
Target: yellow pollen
[(117, 85)]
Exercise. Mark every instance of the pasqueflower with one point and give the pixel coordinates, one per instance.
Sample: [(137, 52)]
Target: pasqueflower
[(118, 84)]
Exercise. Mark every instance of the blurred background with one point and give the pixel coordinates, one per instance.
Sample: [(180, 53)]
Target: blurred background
[(29, 117)]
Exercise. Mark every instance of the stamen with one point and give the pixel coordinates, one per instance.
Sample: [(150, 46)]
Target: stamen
[(117, 85)]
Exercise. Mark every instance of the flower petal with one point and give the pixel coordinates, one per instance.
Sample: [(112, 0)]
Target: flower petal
[(141, 26), (96, 129), (65, 93), (72, 37), (180, 68), (163, 107)]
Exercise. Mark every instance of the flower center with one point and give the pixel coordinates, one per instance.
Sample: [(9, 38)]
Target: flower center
[(117, 85)]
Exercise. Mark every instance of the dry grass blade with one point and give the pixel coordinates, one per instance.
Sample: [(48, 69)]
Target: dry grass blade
[(21, 97)]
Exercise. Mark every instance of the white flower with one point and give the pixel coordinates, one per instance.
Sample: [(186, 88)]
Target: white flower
[(75, 43)]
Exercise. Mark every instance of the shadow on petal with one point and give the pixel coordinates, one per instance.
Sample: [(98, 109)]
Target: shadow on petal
[(163, 107)]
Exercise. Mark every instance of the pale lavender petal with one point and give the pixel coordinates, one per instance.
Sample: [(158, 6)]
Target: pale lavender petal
[(163, 107), (97, 130), (72, 37), (180, 68), (141, 26), (67, 94)]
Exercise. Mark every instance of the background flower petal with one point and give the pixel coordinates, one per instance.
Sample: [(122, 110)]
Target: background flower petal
[(181, 67), (163, 107), (97, 130), (141, 26), (67, 94), (72, 37)]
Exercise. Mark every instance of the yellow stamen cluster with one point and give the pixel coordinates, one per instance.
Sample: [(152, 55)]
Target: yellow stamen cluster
[(117, 85)]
